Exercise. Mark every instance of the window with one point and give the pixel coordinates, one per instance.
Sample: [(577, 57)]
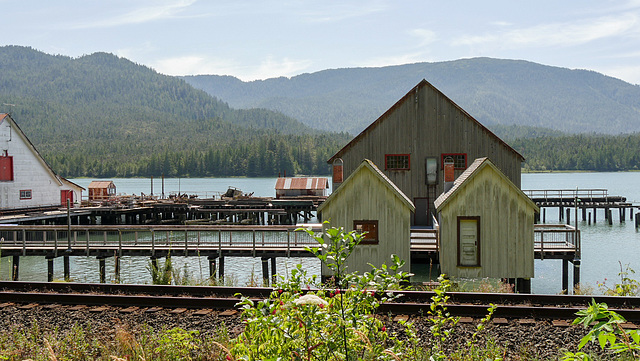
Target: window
[(25, 194), (371, 227), (397, 162), (459, 160), (6, 168)]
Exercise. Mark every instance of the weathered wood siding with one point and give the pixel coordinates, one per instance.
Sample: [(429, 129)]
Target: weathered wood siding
[(366, 197), (425, 123), (506, 228)]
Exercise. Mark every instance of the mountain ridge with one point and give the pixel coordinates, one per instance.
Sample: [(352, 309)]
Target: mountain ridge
[(494, 91)]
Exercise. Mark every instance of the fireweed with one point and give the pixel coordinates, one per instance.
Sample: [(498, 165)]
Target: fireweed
[(326, 323)]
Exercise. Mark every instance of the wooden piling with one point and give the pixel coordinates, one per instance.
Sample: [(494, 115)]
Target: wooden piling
[(15, 270), (589, 218), (212, 267), (265, 271), (594, 215), (609, 216), (576, 273), (274, 279), (66, 268), (116, 260), (569, 215), (638, 220), (561, 211), (544, 215), (103, 270), (584, 214), (221, 268), (565, 276), (49, 269)]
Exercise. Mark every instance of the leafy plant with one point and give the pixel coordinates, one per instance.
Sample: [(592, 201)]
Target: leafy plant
[(627, 286), (297, 323), (607, 331)]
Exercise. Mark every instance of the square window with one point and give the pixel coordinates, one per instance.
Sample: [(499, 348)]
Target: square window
[(397, 162), (25, 194), (369, 226), (459, 160)]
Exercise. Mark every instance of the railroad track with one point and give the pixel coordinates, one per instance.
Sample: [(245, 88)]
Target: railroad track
[(463, 304)]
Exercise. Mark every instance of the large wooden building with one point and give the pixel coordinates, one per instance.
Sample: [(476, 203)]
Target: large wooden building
[(26, 180), (411, 141), (486, 226), (369, 202)]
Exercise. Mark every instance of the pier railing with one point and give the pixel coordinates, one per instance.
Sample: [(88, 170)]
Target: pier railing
[(566, 193), (91, 239), (556, 238)]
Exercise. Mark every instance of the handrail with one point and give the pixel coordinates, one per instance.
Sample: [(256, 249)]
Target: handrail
[(567, 193)]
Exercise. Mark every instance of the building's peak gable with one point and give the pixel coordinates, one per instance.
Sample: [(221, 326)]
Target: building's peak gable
[(416, 89), (474, 169), (368, 166)]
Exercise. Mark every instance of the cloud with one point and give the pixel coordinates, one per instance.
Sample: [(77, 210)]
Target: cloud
[(344, 11), (425, 36), (628, 73), (573, 33), (158, 11), (195, 64)]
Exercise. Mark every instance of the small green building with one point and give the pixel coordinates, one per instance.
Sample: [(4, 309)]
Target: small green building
[(368, 201), (486, 227)]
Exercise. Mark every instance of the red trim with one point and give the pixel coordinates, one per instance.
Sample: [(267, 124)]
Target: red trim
[(443, 155), (26, 190), (386, 156)]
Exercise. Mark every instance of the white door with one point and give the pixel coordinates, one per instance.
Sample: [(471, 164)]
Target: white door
[(469, 242)]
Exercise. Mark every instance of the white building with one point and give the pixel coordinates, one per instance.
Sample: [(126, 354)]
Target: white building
[(26, 180)]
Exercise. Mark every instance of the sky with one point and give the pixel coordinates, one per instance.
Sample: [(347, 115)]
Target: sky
[(264, 39)]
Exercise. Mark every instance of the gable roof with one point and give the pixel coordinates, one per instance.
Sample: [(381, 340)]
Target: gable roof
[(301, 183), (421, 84), (469, 173), (370, 166), (101, 184), (47, 167)]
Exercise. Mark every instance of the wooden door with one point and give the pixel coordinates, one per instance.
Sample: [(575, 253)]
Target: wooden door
[(66, 194), (469, 241)]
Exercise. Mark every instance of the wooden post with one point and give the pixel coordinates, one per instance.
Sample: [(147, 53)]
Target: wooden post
[(589, 218), (67, 268), (569, 215), (102, 266), (594, 214), (49, 269), (609, 216), (576, 272), (623, 214), (265, 271), (221, 268), (637, 219), (561, 213), (116, 259), (212, 267), (16, 268), (565, 276), (274, 279), (544, 215), (584, 214)]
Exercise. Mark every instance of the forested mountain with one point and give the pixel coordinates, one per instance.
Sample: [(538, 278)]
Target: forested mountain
[(494, 91), (102, 116)]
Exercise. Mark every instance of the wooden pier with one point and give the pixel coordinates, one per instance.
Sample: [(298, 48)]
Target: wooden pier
[(583, 200), (218, 242)]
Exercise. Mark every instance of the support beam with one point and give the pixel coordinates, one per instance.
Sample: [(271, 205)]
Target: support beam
[(221, 268), (15, 269), (116, 260), (565, 276), (103, 270), (265, 271), (274, 279), (49, 269), (212, 267), (576, 272), (67, 268)]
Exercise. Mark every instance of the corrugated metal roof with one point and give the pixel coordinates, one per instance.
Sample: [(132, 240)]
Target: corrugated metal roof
[(101, 184), (301, 183)]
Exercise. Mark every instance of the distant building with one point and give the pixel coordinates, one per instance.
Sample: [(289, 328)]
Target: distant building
[(296, 187), (369, 202), (486, 227), (26, 180), (101, 190), (412, 141)]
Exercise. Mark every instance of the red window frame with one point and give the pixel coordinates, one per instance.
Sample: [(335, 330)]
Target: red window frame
[(26, 194), (457, 164), (369, 226), (388, 166)]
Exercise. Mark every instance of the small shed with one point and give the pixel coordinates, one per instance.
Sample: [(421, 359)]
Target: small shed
[(101, 190), (369, 201), (296, 187), (486, 226)]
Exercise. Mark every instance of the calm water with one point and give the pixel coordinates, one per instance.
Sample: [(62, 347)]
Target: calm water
[(603, 246)]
